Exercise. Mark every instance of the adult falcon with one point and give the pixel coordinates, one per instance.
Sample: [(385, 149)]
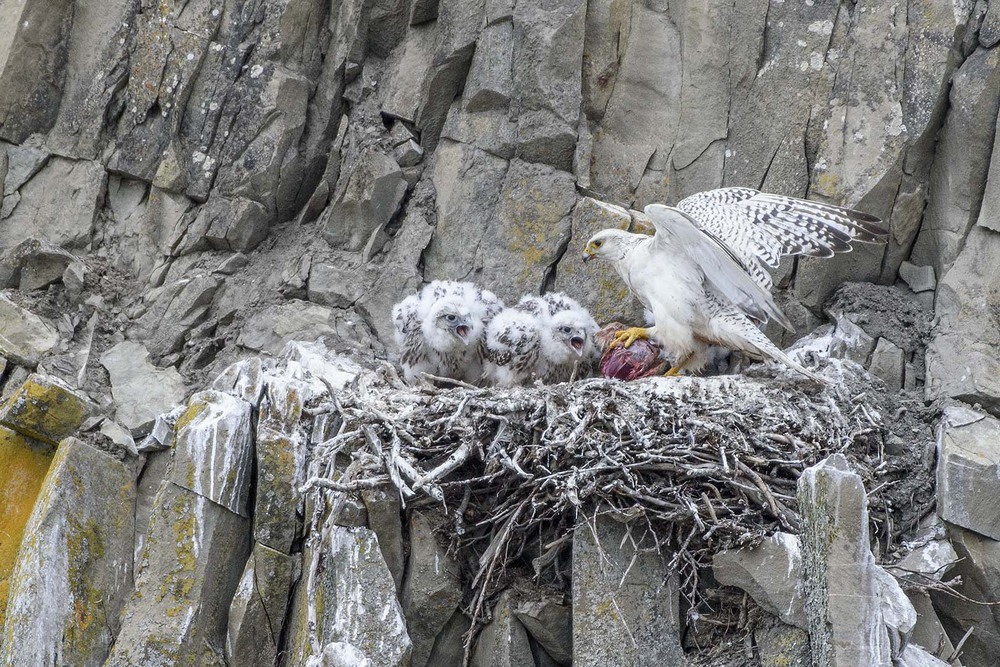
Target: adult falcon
[(703, 274)]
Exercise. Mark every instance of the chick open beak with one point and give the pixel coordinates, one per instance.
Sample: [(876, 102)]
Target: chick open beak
[(463, 331), (576, 342)]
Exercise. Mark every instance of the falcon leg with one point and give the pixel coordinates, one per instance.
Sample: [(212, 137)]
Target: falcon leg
[(679, 366), (626, 337)]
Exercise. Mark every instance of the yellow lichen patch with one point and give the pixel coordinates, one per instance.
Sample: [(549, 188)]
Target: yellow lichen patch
[(195, 407), (23, 464), (45, 409)]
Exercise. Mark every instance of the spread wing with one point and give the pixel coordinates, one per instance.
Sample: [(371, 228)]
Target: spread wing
[(721, 266), (759, 228)]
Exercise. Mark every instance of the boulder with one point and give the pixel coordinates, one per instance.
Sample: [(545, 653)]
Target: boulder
[(24, 337), (503, 642), (771, 573), (44, 408), (271, 328), (371, 198), (24, 463), (358, 596), (213, 451), (60, 204), (915, 656), (625, 600), (842, 588), (74, 569), (918, 278), (194, 557), (33, 264), (967, 470), (978, 566), (383, 509), (432, 588), (172, 311), (550, 623), (888, 364), (449, 647), (257, 612), (141, 390)]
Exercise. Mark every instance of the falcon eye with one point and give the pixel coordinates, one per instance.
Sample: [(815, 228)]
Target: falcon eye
[(598, 243)]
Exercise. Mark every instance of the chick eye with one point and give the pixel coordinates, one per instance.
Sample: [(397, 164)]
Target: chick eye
[(564, 330), (450, 318)]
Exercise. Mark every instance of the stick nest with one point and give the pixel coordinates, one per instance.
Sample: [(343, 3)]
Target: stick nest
[(697, 464)]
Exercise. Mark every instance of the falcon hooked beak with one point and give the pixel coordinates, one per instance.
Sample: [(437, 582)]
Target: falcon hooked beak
[(593, 249), (463, 330)]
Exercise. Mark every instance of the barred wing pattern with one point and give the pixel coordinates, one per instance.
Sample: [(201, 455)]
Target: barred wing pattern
[(760, 228)]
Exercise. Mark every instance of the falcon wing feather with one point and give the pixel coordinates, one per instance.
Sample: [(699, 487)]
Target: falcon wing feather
[(760, 228), (722, 267)]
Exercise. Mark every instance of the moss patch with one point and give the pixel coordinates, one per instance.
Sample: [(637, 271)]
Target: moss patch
[(23, 465)]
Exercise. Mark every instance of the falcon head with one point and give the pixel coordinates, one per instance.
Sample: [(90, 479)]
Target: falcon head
[(449, 324), (569, 335), (609, 244)]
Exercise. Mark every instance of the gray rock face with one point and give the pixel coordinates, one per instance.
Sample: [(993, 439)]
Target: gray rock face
[(359, 599), (194, 557), (625, 602), (842, 594), (33, 264), (781, 645), (550, 623), (373, 193), (257, 613), (74, 568), (213, 453), (887, 364), (771, 573), (504, 642), (968, 463), (432, 588), (141, 391), (24, 337), (961, 162), (449, 647), (59, 204), (383, 518), (33, 51), (979, 568), (966, 296), (595, 285), (529, 230), (172, 311)]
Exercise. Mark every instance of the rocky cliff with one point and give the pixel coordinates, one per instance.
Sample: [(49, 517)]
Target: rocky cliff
[(190, 185)]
